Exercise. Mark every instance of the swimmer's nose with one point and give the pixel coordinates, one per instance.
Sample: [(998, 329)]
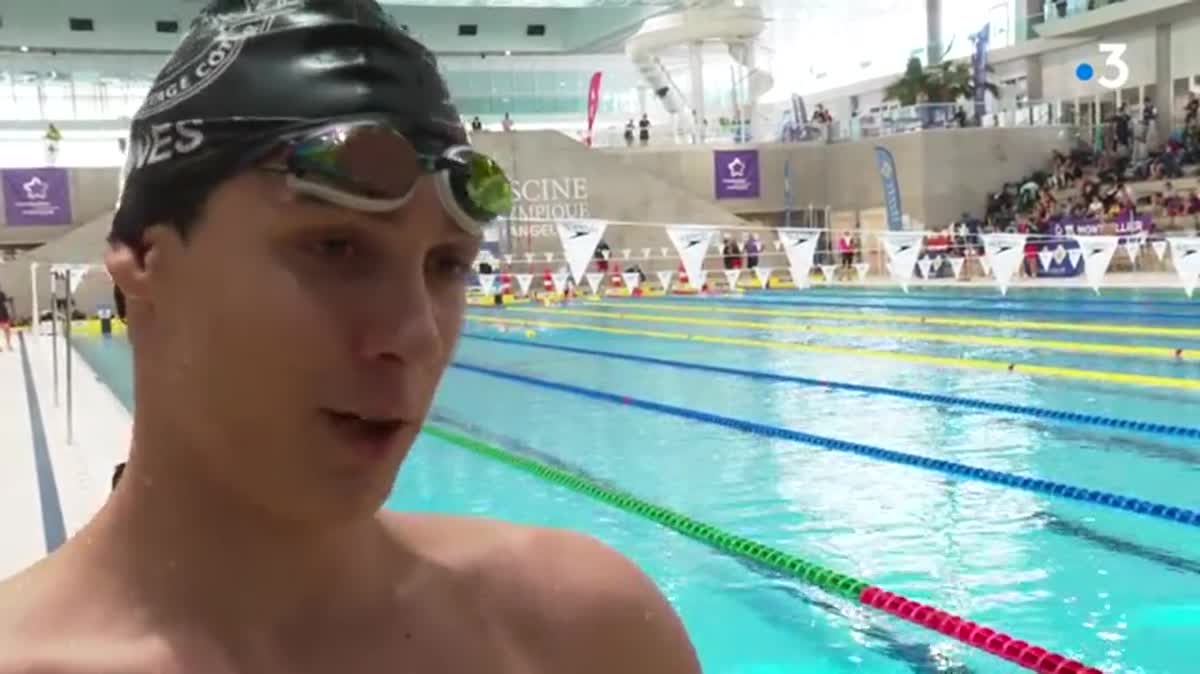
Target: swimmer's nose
[(401, 324)]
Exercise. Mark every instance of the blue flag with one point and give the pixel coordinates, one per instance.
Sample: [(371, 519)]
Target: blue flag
[(891, 188), (979, 65)]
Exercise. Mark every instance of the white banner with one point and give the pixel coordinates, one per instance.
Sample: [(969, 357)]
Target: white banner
[(664, 279), (731, 277), (924, 265), (956, 266), (1185, 253), (828, 270), (1160, 249), (1045, 257), (764, 276), (579, 240), (523, 282), (487, 283), (559, 279), (593, 280), (902, 249), (800, 245), (1098, 253), (862, 268), (1004, 253), (632, 279), (691, 242)]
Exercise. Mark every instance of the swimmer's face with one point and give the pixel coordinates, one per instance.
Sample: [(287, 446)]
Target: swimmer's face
[(279, 323)]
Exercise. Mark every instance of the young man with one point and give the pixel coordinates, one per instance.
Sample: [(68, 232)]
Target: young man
[(293, 241), (6, 319)]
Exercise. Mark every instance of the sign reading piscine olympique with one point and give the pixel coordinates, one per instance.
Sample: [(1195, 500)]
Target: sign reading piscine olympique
[(547, 199)]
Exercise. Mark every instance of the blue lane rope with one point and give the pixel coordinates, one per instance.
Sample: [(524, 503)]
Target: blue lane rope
[(976, 295), (1032, 484), (1022, 410), (927, 307)]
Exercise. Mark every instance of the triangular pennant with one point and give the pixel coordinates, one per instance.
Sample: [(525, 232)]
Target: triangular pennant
[(1132, 246), (646, 254), (523, 282), (606, 254), (529, 258), (938, 262), (625, 253), (731, 277), (1160, 249), (924, 264), (1098, 253), (487, 282), (764, 276), (1074, 255), (691, 242), (828, 270), (508, 259), (632, 279), (1185, 253), (956, 266), (985, 266), (579, 240), (664, 252), (1046, 257), (593, 280), (560, 281), (778, 246), (902, 249), (861, 268), (549, 257), (800, 245), (664, 279), (1004, 253)]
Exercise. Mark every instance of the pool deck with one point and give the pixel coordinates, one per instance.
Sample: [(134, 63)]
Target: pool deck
[(50, 487)]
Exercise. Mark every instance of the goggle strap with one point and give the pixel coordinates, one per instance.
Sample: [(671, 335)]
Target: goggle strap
[(343, 198), (450, 202)]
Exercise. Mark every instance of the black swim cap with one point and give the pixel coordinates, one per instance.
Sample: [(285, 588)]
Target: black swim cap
[(251, 70)]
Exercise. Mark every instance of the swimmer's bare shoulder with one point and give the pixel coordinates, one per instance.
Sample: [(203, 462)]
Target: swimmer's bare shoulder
[(574, 604)]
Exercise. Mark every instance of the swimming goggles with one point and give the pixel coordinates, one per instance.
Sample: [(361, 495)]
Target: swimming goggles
[(371, 167)]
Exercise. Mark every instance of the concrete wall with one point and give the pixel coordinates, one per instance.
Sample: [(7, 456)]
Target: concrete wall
[(93, 192), (942, 172)]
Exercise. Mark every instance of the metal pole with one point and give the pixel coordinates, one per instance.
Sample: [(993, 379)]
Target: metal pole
[(67, 349), (54, 277), (36, 321)]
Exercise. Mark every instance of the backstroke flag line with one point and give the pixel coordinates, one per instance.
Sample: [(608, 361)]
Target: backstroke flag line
[(692, 242), (902, 250), (731, 277), (1185, 254), (764, 276), (523, 282), (1098, 254), (664, 279), (593, 280), (579, 240), (1003, 253), (800, 246), (487, 283)]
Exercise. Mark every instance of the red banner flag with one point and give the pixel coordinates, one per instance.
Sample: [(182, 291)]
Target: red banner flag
[(593, 104)]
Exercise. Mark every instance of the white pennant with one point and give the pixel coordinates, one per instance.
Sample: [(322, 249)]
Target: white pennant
[(938, 263), (924, 264), (487, 282), (625, 253), (523, 282), (559, 279), (691, 242), (1004, 253), (632, 279), (1098, 252), (1185, 253), (1045, 257), (508, 259), (606, 254), (529, 258), (764, 276), (579, 240), (828, 271), (664, 251), (593, 280), (731, 277), (861, 268), (1160, 249), (800, 245), (664, 279), (646, 254), (902, 249), (1132, 246), (956, 266), (549, 257), (778, 246), (985, 266), (1074, 255)]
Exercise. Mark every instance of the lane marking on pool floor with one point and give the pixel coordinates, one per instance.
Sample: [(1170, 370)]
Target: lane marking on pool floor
[(1035, 485), (1023, 343), (922, 293), (1108, 377), (1130, 425), (989, 640), (731, 307)]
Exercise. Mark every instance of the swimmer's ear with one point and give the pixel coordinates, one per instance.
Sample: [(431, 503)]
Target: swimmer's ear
[(126, 265)]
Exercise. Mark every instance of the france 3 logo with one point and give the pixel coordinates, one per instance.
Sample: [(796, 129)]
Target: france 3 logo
[(1114, 63)]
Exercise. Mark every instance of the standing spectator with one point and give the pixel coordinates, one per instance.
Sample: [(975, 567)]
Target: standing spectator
[(507, 123), (476, 124), (6, 319), (1191, 110), (846, 251), (753, 250), (644, 130), (53, 137), (629, 133)]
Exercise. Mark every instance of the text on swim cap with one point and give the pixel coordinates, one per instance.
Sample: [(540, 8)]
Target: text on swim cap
[(163, 142), (204, 67)]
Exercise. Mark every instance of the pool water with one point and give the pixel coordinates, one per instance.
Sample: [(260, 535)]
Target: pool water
[(1114, 589)]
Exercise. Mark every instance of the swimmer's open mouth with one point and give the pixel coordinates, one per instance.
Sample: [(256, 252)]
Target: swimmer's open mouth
[(374, 430)]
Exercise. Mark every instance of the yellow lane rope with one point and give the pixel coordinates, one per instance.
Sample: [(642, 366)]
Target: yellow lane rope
[(973, 340), (942, 361)]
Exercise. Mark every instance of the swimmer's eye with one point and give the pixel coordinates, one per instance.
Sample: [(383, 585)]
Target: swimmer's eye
[(334, 248), (450, 265)]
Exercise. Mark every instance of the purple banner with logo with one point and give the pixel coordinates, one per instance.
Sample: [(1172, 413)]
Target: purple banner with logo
[(736, 174), (36, 196)]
